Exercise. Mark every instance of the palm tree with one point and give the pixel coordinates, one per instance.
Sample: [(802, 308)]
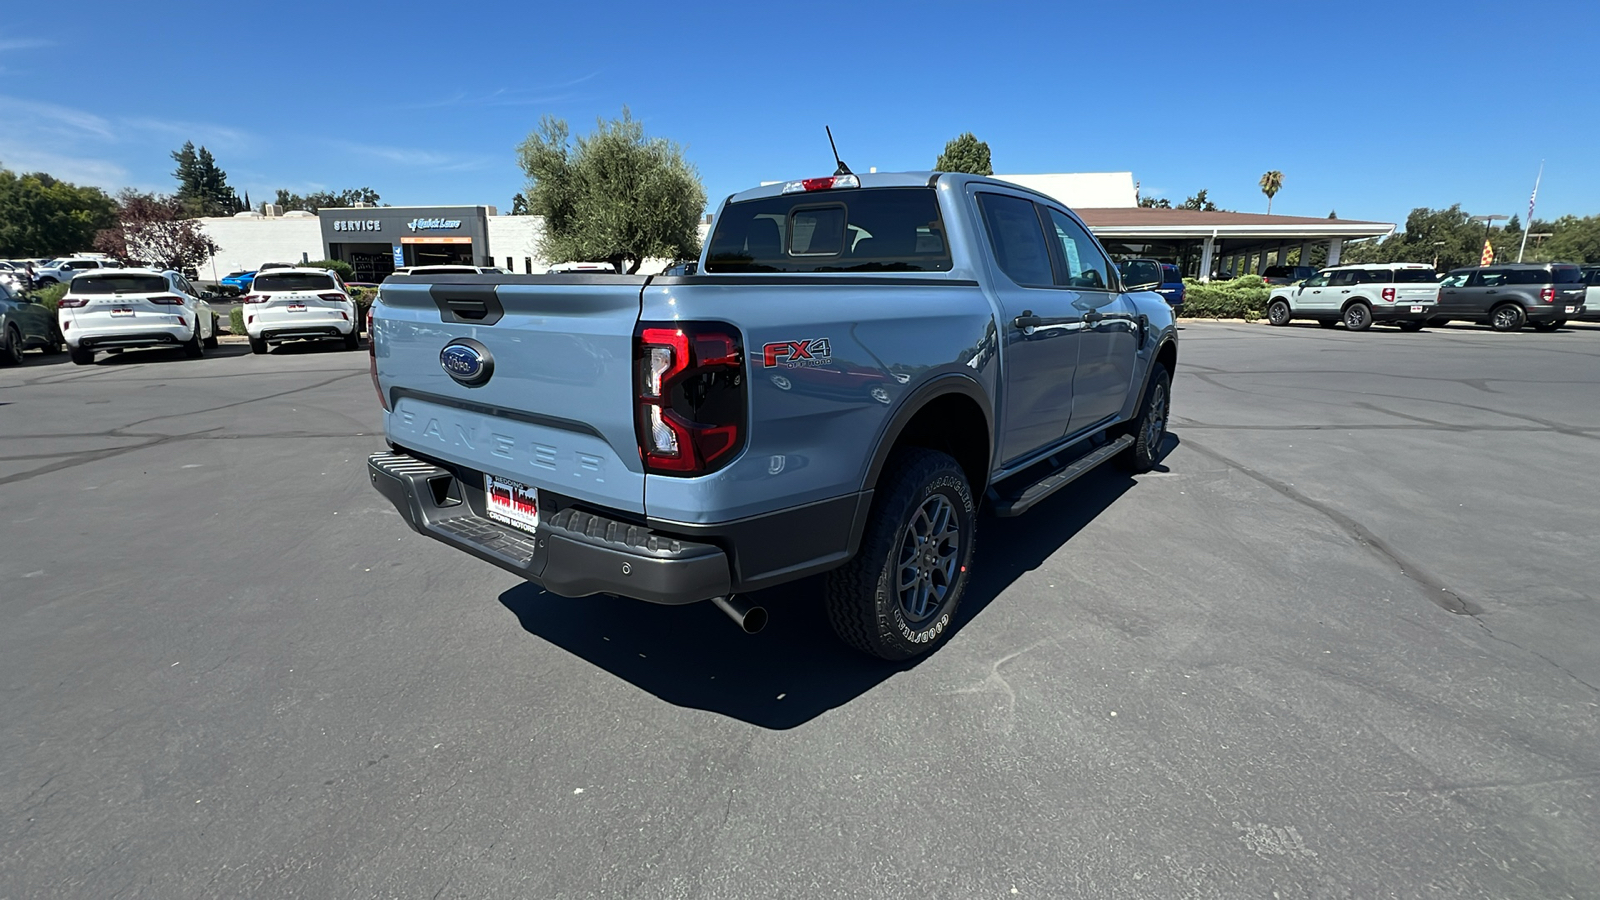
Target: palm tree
[(1271, 183)]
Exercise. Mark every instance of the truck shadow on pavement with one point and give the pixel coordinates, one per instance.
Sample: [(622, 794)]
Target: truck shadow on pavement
[(796, 669)]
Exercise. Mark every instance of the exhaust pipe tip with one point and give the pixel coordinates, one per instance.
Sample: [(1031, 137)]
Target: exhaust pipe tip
[(750, 619)]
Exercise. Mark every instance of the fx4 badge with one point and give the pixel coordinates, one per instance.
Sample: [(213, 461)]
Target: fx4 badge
[(795, 354)]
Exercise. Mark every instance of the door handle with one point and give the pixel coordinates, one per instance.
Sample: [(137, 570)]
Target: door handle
[(1093, 316), (1345, 291), (1491, 292), (1027, 320)]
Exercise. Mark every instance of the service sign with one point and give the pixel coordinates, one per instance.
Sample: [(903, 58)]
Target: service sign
[(358, 225)]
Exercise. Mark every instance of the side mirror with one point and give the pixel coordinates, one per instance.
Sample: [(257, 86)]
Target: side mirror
[(1141, 275)]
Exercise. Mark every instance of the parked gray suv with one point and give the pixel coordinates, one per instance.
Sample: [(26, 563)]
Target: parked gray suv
[(1544, 295)]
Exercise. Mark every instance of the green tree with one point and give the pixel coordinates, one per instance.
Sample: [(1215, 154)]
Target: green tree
[(1154, 202), (965, 153), (519, 205), (1571, 239), (1199, 202), (327, 199), (202, 184), (43, 216), (1271, 184), (614, 195)]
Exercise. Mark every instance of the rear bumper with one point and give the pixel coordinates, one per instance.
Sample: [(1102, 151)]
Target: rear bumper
[(575, 553), (295, 327), (148, 336), (1401, 312)]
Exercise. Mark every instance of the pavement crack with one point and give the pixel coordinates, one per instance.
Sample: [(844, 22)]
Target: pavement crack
[(1435, 590)]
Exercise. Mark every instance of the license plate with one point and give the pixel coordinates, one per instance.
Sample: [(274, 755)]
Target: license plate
[(1572, 309), (296, 307), (122, 312), (512, 503), (1416, 309)]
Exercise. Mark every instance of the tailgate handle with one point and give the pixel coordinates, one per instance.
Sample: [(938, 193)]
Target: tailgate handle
[(467, 304)]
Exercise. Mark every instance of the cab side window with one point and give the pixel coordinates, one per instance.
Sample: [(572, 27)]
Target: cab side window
[(1344, 278), (1018, 239), (1489, 278), (1318, 280), (1085, 266)]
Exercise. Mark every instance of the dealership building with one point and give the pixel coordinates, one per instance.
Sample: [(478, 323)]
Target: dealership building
[(375, 240)]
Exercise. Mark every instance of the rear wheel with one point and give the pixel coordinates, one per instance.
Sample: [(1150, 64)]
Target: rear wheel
[(1278, 313), (899, 595), (211, 342), (1409, 326), (1358, 316), (11, 349), (1507, 317), (352, 341), (195, 346), (257, 345), (80, 356)]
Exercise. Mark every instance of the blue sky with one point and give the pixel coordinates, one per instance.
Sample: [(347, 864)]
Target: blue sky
[(1381, 108)]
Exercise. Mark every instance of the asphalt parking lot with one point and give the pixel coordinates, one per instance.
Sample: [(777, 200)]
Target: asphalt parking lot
[(1344, 642)]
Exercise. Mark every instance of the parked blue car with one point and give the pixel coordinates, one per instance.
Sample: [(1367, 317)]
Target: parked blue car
[(1171, 286), (240, 280)]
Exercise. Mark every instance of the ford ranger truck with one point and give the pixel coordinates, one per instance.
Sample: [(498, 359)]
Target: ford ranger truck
[(859, 363)]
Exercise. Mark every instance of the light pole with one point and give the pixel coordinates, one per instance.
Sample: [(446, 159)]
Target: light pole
[(1488, 222), (1436, 246), (1538, 237)]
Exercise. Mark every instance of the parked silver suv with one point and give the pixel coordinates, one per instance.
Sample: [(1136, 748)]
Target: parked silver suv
[(1544, 295), (1359, 295)]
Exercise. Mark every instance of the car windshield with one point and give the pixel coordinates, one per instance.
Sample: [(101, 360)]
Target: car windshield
[(294, 281), (860, 230), (119, 284)]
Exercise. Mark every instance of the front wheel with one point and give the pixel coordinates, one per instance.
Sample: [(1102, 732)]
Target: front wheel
[(11, 348), (899, 595), (1150, 428), (1507, 317), (1358, 317), (1278, 313)]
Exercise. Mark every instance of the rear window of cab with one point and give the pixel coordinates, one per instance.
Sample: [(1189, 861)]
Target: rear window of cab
[(846, 230), (119, 284)]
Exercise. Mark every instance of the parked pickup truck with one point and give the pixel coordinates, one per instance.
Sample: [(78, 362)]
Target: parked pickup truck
[(859, 363), (1402, 294)]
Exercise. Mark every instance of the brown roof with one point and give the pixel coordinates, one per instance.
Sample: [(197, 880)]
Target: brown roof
[(1142, 217)]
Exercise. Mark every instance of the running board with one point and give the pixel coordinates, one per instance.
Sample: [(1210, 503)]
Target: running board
[(1055, 481)]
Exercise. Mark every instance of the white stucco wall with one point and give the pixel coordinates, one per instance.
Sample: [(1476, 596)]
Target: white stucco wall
[(246, 243), (1091, 190)]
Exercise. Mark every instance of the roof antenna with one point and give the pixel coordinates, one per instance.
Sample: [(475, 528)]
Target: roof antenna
[(843, 169)]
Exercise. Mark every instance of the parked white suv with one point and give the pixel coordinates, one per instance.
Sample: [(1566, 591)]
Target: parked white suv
[(113, 309), (64, 269), (298, 304), (1402, 294)]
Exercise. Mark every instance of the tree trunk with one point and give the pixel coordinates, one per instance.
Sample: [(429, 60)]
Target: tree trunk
[(637, 262)]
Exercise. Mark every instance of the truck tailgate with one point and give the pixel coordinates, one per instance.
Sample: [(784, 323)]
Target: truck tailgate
[(555, 409)]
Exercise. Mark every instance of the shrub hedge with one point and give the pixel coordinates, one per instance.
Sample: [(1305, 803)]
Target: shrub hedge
[(1244, 297), (50, 297), (236, 320)]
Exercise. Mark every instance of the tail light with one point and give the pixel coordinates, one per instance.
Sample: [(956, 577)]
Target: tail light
[(822, 184), (372, 361), (253, 298), (72, 302), (1388, 295), (1548, 295), (691, 412), (167, 300), (334, 298)]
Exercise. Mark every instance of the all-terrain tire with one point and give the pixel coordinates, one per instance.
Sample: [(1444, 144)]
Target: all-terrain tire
[(1358, 316), (1149, 428), (1278, 313), (922, 528)]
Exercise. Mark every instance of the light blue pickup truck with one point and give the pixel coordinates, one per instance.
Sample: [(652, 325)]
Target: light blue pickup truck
[(859, 363)]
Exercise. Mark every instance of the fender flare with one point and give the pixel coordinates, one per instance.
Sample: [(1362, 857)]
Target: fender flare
[(930, 390)]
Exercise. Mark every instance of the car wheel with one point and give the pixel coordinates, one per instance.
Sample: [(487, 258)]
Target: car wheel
[(257, 345), (1409, 326), (80, 356), (1150, 428), (211, 342), (1328, 323), (1438, 322), (195, 346), (899, 595), (1507, 317), (1278, 313), (1358, 316), (11, 350), (352, 341)]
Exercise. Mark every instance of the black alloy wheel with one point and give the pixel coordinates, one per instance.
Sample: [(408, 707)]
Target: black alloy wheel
[(1507, 317), (1358, 316), (11, 350), (1278, 313)]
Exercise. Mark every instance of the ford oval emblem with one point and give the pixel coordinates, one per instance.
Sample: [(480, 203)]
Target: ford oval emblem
[(467, 361)]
